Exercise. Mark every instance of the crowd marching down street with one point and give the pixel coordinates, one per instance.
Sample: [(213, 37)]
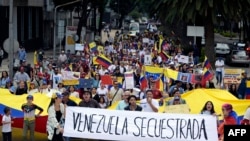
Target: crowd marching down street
[(146, 72)]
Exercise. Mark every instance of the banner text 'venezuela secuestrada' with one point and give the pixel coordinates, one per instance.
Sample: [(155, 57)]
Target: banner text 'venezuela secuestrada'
[(130, 125)]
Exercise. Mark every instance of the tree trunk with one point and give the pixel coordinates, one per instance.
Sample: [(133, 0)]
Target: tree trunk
[(83, 20), (209, 36), (100, 21), (121, 20), (94, 20)]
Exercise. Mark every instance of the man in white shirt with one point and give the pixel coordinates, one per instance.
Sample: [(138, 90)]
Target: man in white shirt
[(219, 64), (62, 57), (149, 104), (55, 78), (115, 93)]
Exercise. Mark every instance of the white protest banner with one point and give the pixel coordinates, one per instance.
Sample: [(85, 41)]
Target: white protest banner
[(232, 76), (183, 59), (129, 80), (131, 125), (147, 60)]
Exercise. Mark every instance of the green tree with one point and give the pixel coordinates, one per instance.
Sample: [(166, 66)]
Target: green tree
[(84, 11), (206, 10), (123, 8)]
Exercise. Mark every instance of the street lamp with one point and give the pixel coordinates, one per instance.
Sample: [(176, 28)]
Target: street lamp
[(54, 38), (11, 39)]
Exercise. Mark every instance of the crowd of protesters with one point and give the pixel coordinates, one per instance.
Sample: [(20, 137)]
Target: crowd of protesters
[(127, 54)]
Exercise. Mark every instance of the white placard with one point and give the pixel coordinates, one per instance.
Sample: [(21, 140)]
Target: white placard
[(138, 126), (145, 40), (129, 80), (79, 47), (183, 59), (196, 31), (147, 60)]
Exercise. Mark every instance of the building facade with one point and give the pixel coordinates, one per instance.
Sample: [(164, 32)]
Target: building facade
[(27, 22)]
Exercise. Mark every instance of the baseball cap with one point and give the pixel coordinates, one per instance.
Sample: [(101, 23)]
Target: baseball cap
[(227, 106), (30, 97)]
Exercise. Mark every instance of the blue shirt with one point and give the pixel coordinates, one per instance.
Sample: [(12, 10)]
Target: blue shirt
[(121, 105), (22, 55)]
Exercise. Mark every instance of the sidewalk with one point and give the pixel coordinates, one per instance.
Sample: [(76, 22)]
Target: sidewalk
[(30, 59)]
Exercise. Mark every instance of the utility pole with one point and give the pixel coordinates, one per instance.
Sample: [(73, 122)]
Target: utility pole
[(55, 19), (11, 39)]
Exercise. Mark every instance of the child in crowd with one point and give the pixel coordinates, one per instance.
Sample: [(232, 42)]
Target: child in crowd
[(102, 103), (6, 124)]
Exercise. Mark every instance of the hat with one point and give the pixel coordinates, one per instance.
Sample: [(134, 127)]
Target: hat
[(176, 98), (227, 106), (30, 97), (57, 95)]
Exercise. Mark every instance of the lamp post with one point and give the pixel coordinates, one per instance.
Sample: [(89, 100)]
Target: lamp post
[(54, 32), (11, 39)]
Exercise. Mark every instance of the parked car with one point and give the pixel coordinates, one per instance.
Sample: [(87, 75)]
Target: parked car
[(134, 29), (222, 49), (238, 57), (151, 27), (143, 21), (242, 46)]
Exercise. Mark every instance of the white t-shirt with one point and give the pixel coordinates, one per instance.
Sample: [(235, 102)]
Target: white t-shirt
[(100, 91), (56, 78), (6, 127), (219, 63), (247, 114), (146, 107)]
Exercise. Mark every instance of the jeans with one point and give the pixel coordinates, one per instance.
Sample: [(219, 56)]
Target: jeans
[(219, 77), (7, 136), (28, 125), (66, 138)]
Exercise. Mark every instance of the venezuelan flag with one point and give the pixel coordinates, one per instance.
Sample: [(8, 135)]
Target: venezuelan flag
[(207, 75), (157, 74), (93, 47), (164, 55), (15, 102), (160, 45), (104, 61), (248, 90), (35, 58), (206, 63), (143, 82)]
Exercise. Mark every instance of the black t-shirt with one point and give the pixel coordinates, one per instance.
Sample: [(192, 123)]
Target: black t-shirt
[(21, 91), (138, 108)]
